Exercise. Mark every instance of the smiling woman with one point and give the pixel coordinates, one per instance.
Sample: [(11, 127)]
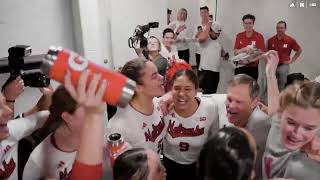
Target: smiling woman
[(300, 120), (296, 123), (189, 125), (184, 90), (140, 123)]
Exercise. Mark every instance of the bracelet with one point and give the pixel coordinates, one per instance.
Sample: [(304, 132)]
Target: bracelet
[(177, 33), (10, 101)]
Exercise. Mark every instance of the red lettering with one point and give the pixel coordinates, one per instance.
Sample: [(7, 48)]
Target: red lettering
[(8, 169), (7, 148), (61, 164), (180, 131), (268, 163), (184, 146), (160, 146), (156, 131), (64, 175), (203, 118)]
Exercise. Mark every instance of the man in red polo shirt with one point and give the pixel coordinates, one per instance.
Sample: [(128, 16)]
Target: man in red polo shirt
[(284, 44), (243, 44)]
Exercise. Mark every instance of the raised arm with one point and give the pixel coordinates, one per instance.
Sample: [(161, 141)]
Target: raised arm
[(139, 52), (178, 36), (166, 103), (273, 90), (11, 91), (89, 157), (204, 35), (43, 103)]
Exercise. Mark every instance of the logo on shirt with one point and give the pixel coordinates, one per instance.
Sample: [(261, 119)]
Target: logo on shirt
[(8, 169), (155, 132), (180, 131), (285, 45), (203, 118), (8, 147), (144, 125), (268, 163), (77, 63), (61, 164), (64, 175)]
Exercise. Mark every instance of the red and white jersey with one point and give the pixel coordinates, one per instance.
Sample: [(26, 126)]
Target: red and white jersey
[(46, 160), (18, 128), (186, 136), (138, 129)]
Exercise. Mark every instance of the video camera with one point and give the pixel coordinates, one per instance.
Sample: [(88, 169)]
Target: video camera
[(138, 35), (16, 64)]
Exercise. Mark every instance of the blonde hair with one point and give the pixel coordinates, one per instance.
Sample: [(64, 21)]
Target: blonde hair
[(185, 10), (305, 95), (159, 43)]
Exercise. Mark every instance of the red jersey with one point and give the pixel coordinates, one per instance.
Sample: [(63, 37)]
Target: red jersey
[(257, 39), (283, 46)]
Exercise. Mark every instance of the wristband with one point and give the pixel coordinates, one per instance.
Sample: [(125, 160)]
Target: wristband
[(177, 33), (10, 101)]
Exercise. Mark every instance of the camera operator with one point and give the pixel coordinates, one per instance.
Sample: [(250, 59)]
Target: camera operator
[(24, 72), (12, 89), (15, 151), (148, 48), (153, 48), (11, 131)]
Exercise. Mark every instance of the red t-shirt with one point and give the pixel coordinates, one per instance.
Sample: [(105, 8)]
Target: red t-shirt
[(242, 41), (283, 46), (82, 171)]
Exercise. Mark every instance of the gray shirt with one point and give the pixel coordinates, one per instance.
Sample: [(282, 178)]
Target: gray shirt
[(162, 64), (301, 167), (259, 125), (276, 155)]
